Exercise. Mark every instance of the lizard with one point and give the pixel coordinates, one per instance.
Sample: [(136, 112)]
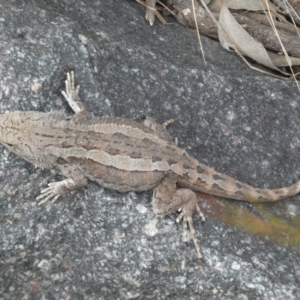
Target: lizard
[(122, 155)]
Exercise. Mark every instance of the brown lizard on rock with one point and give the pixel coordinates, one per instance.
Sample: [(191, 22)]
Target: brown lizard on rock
[(122, 155)]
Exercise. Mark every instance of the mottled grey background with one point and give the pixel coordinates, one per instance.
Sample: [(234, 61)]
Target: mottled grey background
[(98, 244)]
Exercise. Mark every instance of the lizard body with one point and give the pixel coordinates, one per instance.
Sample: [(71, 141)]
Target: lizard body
[(122, 155)]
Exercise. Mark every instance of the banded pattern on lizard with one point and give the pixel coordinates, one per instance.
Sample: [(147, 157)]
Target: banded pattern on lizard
[(122, 155)]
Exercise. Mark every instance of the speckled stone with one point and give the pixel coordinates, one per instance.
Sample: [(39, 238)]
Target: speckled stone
[(98, 244)]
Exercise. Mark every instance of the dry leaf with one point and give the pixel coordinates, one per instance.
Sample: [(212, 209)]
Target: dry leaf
[(253, 5), (233, 36), (281, 61)]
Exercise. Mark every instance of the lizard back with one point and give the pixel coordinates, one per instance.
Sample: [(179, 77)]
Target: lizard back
[(120, 154)]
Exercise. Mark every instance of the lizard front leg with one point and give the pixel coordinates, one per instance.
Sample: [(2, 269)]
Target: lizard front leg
[(71, 94), (168, 199), (75, 180)]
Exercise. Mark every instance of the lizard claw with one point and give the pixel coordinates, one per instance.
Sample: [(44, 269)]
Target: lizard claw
[(71, 93), (167, 199), (46, 195), (187, 221), (54, 190)]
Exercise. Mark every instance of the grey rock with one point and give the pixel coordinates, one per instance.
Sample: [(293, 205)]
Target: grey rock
[(98, 244)]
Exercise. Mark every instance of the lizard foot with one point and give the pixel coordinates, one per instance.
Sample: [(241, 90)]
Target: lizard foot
[(72, 94), (168, 199), (187, 221), (55, 190)]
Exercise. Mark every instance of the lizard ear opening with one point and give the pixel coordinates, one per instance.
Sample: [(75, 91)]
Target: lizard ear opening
[(61, 161)]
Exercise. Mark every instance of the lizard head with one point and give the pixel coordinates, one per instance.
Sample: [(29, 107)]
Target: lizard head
[(12, 127), (22, 132), (15, 131)]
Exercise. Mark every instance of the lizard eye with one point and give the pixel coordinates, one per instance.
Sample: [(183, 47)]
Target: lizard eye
[(61, 161)]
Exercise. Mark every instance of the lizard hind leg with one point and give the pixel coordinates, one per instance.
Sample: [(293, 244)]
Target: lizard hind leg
[(160, 129), (168, 199)]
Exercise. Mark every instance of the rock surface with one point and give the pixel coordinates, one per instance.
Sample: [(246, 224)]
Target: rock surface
[(98, 244)]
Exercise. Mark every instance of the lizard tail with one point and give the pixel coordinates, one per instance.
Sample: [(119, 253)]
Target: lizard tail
[(270, 195), (211, 182)]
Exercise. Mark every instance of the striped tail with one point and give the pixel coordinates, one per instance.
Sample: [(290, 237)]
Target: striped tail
[(270, 195), (211, 182)]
